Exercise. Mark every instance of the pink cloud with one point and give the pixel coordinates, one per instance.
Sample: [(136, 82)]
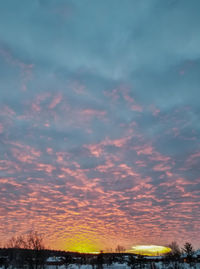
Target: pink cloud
[(49, 151), (48, 168), (95, 150), (24, 153), (137, 108), (26, 69), (7, 111), (56, 100), (155, 111), (161, 167), (156, 156), (193, 159), (146, 150), (9, 166), (98, 149), (123, 92), (1, 128), (93, 113), (104, 168)]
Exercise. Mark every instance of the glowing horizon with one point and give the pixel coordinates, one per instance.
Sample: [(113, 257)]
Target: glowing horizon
[(149, 250)]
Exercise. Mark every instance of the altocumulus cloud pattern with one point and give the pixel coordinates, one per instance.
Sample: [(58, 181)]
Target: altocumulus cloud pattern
[(99, 121)]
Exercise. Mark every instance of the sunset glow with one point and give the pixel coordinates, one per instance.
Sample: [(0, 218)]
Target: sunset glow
[(150, 250), (83, 244)]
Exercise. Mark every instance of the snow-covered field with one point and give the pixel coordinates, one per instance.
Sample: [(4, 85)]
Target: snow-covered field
[(117, 266), (157, 265)]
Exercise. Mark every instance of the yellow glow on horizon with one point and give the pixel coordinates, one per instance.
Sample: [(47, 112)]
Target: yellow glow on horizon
[(82, 244), (149, 250), (83, 247)]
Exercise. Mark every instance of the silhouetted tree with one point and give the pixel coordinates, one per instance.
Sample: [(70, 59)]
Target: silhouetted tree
[(35, 257), (100, 260), (120, 249), (109, 259), (132, 262), (27, 250), (188, 250), (16, 242), (4, 262), (67, 260), (16, 255), (173, 257), (175, 252), (93, 262), (138, 262)]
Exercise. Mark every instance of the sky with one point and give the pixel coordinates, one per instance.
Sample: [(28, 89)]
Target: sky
[(99, 122)]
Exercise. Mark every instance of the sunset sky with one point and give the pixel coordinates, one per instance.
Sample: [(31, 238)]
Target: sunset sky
[(100, 122)]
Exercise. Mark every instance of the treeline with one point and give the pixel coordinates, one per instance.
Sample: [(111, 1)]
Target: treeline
[(26, 250), (29, 252)]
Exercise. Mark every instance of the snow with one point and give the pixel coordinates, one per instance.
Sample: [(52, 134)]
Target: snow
[(54, 259), (87, 266), (158, 265)]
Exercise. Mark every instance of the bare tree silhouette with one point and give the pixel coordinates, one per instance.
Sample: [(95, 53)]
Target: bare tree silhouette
[(120, 249), (27, 249)]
